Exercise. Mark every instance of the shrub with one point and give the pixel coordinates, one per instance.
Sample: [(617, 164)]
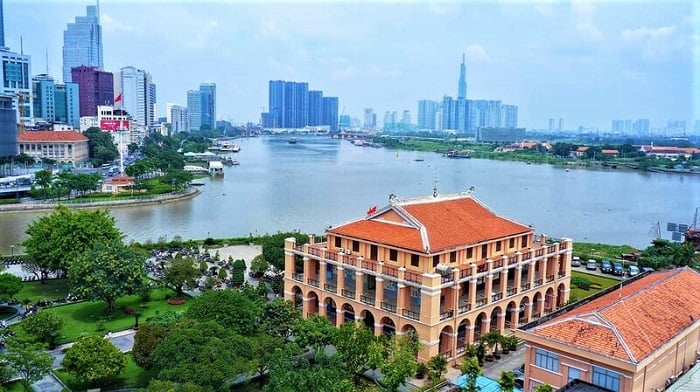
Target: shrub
[(581, 282)]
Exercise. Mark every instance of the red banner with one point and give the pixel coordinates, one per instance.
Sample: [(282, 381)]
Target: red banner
[(114, 125)]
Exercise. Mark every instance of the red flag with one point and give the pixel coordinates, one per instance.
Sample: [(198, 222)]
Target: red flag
[(118, 98), (372, 210)]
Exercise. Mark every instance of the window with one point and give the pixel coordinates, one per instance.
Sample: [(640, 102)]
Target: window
[(356, 246), (414, 260), (484, 250), (574, 374), (524, 242), (338, 242), (436, 260), (498, 246), (393, 254), (453, 256), (511, 243), (470, 253), (606, 378), (546, 360)]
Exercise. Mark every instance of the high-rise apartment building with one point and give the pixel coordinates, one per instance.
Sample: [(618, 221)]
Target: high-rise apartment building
[(406, 118), (551, 125), (44, 91), (330, 112), (207, 102), (315, 107), (426, 114), (448, 113), (67, 101), (194, 100), (15, 75), (370, 120), (96, 88), (510, 116), (561, 125), (178, 118), (82, 43), (641, 126), (136, 90)]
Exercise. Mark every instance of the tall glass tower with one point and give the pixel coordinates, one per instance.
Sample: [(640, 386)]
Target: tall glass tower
[(82, 42), (462, 88), (207, 92), (2, 28)]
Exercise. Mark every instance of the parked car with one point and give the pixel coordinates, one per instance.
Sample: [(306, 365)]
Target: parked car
[(648, 269), (618, 269), (576, 261), (633, 270), (606, 267), (591, 265)]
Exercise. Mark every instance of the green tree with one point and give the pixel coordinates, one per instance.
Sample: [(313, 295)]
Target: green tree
[(107, 271), (238, 272), (55, 240), (543, 388), (146, 340), (290, 371), (259, 265), (273, 247), (278, 317), (437, 366), (399, 361), (169, 386), (315, 332), (263, 348), (352, 345), (507, 381), (43, 326), (93, 360), (179, 273), (229, 308), (101, 146), (29, 361), (470, 367), (43, 178), (10, 285)]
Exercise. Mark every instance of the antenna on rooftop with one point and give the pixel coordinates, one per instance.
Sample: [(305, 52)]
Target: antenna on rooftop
[(435, 182), (47, 61)]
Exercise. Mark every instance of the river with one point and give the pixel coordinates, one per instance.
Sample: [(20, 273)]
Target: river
[(319, 182)]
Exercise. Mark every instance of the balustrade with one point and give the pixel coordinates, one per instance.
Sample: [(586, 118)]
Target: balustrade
[(410, 314), (313, 282), (348, 293), (550, 278), (412, 277), (464, 308), (330, 287), (367, 299), (298, 276), (446, 315), (388, 307)]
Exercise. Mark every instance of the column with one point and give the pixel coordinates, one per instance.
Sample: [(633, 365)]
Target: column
[(514, 317), (379, 294), (469, 335), (531, 273), (545, 273), (322, 274), (485, 324), (518, 277), (501, 322), (528, 311), (504, 283), (359, 276), (307, 269), (339, 317), (341, 279), (540, 305), (472, 291)]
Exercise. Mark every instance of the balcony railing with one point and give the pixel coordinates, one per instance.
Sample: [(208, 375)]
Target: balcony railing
[(512, 260), (562, 274), (390, 271), (480, 302), (539, 252), (496, 296), (447, 278), (464, 308), (388, 307), (410, 314), (538, 282), (512, 291), (348, 294), (482, 268), (498, 264), (330, 287), (313, 282), (412, 277), (465, 272), (349, 260), (298, 276), (299, 248), (525, 286), (446, 315), (369, 265), (315, 251), (367, 299), (550, 278)]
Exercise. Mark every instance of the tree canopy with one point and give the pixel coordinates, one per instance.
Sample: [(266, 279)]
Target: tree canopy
[(101, 146), (92, 360), (229, 308), (43, 326), (29, 361), (10, 285), (180, 272)]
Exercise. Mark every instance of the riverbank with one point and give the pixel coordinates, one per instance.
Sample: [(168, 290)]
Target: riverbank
[(42, 206)]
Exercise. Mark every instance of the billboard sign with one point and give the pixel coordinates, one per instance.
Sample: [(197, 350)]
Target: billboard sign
[(114, 125)]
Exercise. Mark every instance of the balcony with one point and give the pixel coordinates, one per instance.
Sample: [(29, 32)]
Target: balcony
[(412, 314), (330, 287), (464, 308), (550, 278), (538, 282), (512, 291), (369, 300), (298, 276), (562, 274), (447, 314), (413, 277), (348, 293), (313, 282), (388, 307), (525, 287)]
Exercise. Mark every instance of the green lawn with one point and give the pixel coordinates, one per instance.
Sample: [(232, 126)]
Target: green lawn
[(598, 283), (84, 317), (131, 377), (590, 250), (50, 290)]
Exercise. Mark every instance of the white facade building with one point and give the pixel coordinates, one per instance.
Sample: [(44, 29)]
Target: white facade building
[(178, 118), (137, 91)]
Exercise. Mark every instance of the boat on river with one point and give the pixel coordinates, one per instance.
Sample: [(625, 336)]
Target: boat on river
[(454, 154), (292, 140)]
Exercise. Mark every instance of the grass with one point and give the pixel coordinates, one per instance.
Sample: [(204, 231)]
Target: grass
[(131, 377), (84, 318), (14, 386), (50, 290), (598, 283), (589, 250)]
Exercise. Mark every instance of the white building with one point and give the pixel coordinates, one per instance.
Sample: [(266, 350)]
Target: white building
[(178, 118), (16, 81), (138, 94)]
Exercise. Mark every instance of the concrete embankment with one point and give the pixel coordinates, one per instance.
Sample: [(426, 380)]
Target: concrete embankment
[(41, 206)]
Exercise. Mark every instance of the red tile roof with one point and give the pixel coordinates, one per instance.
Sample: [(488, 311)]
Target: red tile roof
[(435, 224), (51, 136), (631, 323)]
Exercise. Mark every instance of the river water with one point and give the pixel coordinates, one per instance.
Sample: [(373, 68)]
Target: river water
[(321, 181)]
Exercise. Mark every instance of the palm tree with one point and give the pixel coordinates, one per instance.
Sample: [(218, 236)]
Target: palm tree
[(507, 381)]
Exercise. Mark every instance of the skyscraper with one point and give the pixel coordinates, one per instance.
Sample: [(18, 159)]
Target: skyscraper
[(178, 118), (136, 94), (2, 28), (67, 100), (315, 107), (96, 88), (426, 114), (510, 116), (82, 42), (370, 120), (8, 127), (15, 80), (330, 112), (194, 102), (462, 88), (43, 89), (207, 92), (449, 120)]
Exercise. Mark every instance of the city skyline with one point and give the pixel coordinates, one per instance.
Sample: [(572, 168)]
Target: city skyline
[(589, 63)]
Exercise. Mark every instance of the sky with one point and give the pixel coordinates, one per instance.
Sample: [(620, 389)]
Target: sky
[(586, 62)]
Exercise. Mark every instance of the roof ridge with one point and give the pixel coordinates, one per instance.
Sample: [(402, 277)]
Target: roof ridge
[(416, 224), (669, 274)]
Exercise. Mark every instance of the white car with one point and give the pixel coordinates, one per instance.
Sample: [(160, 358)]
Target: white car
[(633, 270)]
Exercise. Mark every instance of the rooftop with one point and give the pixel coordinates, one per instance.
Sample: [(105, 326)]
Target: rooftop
[(51, 136), (631, 323), (432, 224)]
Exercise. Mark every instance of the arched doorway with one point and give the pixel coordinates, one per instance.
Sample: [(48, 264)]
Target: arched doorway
[(312, 303), (446, 339), (478, 326), (368, 319), (522, 310), (388, 327), (298, 297), (494, 325), (462, 336), (331, 310), (549, 301), (561, 295), (511, 315), (537, 303), (349, 313)]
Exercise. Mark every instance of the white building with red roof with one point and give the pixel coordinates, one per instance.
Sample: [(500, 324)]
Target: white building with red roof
[(446, 268), (639, 336), (61, 146)]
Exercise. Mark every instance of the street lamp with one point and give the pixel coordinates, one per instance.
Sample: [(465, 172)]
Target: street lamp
[(12, 248)]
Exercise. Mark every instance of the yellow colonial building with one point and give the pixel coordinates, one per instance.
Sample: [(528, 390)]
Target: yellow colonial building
[(445, 267)]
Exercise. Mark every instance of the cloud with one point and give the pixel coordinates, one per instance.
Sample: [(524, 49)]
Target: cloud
[(112, 25), (442, 7), (206, 32), (369, 72), (476, 53), (656, 43), (583, 15)]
